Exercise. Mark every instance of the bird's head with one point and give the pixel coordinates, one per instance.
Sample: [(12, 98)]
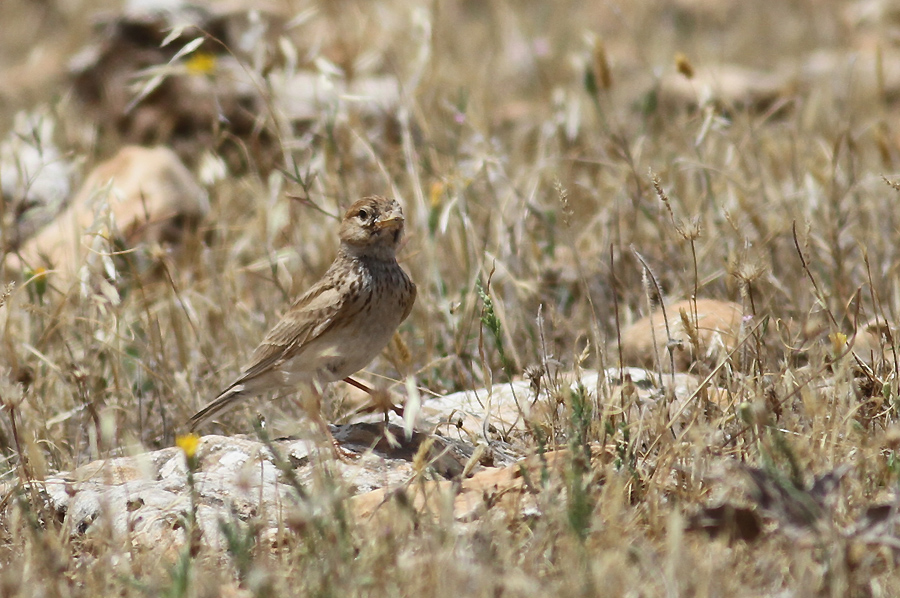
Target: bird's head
[(372, 226)]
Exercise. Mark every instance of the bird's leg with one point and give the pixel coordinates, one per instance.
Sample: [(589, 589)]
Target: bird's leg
[(337, 450), (381, 399), (358, 385), (313, 407)]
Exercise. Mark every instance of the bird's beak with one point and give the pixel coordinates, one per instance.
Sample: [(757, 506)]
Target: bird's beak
[(393, 220)]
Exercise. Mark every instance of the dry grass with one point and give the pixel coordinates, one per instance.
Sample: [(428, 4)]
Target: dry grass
[(517, 178)]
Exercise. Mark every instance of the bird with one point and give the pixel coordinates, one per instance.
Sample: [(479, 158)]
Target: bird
[(337, 326)]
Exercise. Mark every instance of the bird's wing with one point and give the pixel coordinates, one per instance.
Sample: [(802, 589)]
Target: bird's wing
[(412, 301), (311, 315)]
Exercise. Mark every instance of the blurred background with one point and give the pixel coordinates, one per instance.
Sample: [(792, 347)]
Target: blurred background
[(564, 167)]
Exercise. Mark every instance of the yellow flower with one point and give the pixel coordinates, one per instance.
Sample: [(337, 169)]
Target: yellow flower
[(201, 63), (38, 276), (188, 443), (437, 192), (684, 65), (838, 340)]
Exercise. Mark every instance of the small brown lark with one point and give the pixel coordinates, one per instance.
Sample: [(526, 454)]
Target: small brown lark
[(339, 325)]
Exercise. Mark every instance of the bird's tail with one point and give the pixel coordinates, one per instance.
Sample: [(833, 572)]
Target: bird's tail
[(222, 403)]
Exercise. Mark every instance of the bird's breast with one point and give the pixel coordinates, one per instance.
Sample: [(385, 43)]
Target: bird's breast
[(377, 298)]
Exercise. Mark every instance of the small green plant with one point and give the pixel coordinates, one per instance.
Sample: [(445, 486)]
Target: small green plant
[(580, 492), (241, 539), (490, 321)]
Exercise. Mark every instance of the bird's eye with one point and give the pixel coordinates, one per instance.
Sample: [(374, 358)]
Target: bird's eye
[(363, 214)]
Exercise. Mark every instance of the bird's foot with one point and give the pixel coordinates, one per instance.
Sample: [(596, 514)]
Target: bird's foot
[(341, 454)]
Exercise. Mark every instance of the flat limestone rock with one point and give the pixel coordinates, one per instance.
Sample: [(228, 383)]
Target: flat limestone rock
[(503, 489), (727, 85), (140, 196), (147, 500), (505, 414), (35, 176), (718, 331)]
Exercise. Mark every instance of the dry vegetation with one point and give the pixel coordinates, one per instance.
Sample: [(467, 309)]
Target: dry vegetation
[(532, 149)]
